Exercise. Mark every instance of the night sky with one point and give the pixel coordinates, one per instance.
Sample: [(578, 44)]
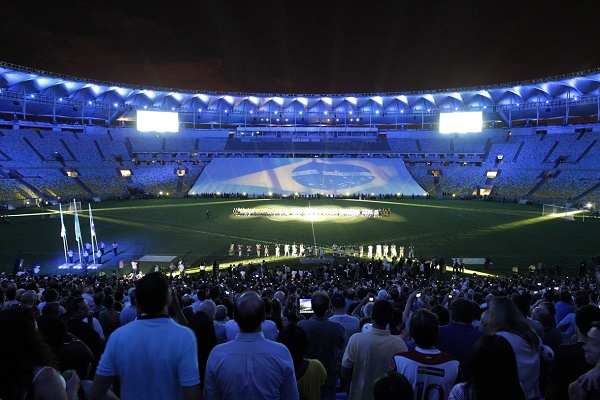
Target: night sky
[(304, 47)]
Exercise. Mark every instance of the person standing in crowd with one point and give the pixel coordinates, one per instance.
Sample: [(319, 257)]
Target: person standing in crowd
[(170, 368), (492, 372), (134, 267), (459, 336), (324, 337), (231, 369), (508, 322), (27, 364), (569, 359), (392, 385), (310, 373), (130, 312), (426, 367), (589, 383), (181, 267), (368, 354), (591, 349)]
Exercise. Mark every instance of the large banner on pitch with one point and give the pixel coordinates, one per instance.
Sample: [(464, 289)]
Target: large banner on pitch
[(307, 176)]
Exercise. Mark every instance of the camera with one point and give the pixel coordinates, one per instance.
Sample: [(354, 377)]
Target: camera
[(371, 299), (419, 294)]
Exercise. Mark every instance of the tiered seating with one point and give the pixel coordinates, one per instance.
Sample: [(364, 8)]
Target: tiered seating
[(48, 145), (464, 144), (13, 145), (401, 145), (534, 151), (190, 178), (180, 144), (507, 150), (53, 183), (461, 180), (423, 178), (10, 189), (567, 185), (568, 145), (515, 182), (103, 180), (592, 158), (156, 180), (148, 143), (112, 149), (212, 144), (84, 150), (435, 145)]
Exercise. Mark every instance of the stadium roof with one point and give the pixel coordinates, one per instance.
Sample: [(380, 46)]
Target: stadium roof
[(46, 95)]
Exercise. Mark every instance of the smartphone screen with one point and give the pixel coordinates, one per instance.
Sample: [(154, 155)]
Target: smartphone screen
[(305, 306)]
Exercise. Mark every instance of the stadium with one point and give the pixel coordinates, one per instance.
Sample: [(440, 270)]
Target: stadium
[(505, 171)]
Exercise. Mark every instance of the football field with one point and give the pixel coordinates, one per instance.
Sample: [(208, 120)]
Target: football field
[(158, 230)]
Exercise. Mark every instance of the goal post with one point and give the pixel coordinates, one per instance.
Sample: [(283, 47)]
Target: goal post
[(549, 209), (565, 212), (72, 209)]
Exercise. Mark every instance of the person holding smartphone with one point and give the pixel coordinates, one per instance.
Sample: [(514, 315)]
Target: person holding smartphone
[(324, 338)]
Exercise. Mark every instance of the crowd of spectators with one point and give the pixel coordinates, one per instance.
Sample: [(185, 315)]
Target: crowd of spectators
[(393, 333)]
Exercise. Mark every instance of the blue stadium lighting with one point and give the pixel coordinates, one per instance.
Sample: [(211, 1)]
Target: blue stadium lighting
[(350, 112), (325, 113), (60, 99), (116, 105), (145, 107), (377, 112), (90, 103), (251, 112), (300, 113)]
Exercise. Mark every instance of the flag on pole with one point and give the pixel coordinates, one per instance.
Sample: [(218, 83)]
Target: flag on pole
[(63, 230), (92, 226), (77, 227)]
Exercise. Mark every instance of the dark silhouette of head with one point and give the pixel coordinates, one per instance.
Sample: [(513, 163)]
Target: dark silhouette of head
[(462, 310), (152, 293), (249, 311), (392, 386), (296, 340), (493, 369), (320, 303), (424, 327), (585, 316), (382, 313)]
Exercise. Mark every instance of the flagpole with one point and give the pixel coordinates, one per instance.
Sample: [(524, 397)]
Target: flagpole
[(77, 232), (63, 232), (92, 234)]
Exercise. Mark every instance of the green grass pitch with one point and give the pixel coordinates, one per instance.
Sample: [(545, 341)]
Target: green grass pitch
[(508, 233)]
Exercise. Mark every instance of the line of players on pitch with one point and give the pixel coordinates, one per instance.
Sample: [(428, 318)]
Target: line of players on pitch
[(378, 251)]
